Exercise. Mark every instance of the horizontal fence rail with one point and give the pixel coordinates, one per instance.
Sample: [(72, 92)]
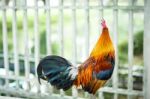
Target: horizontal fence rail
[(73, 41), (136, 8)]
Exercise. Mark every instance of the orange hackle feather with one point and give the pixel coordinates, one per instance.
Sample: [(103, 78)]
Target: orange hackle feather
[(96, 62), (82, 79)]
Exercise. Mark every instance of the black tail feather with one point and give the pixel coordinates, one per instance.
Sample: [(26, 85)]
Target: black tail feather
[(55, 70)]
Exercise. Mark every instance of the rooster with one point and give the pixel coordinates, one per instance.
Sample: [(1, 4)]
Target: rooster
[(90, 75)]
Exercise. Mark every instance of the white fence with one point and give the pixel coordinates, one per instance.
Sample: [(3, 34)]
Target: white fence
[(31, 53)]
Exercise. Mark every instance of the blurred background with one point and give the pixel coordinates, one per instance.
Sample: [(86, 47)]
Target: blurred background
[(32, 29)]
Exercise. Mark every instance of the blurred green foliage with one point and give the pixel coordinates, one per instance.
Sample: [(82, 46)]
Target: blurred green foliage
[(9, 34), (138, 47), (54, 45), (138, 43)]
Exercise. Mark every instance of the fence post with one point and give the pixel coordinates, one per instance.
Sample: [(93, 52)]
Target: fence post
[(147, 49)]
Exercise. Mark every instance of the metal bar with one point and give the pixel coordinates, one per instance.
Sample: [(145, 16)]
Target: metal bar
[(31, 59), (48, 36), (23, 93), (87, 28), (101, 14), (61, 34), (115, 31), (101, 10), (122, 91), (26, 39), (127, 8), (36, 41), (48, 27), (130, 49), (30, 95), (15, 44), (5, 44), (74, 33), (13, 77), (61, 27), (146, 79), (74, 36), (100, 95)]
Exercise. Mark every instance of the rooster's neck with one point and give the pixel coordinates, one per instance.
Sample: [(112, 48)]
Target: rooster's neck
[(104, 45)]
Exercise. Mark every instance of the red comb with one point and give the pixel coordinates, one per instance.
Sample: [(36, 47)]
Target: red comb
[(103, 23)]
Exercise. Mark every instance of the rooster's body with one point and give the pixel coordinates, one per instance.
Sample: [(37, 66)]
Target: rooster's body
[(91, 75)]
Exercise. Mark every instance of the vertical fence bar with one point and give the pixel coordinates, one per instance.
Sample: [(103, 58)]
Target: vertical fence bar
[(61, 26), (26, 39), (5, 43), (115, 31), (48, 27), (36, 41), (101, 14), (74, 31), (100, 95), (48, 36), (74, 36), (15, 44), (61, 33), (130, 50), (87, 32), (146, 50), (87, 29), (101, 10)]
